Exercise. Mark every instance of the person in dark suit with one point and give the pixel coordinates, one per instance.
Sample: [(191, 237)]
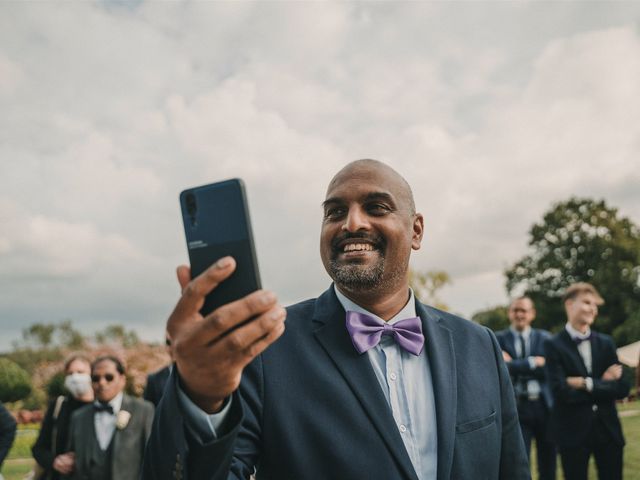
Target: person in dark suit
[(156, 381), (8, 427), (50, 449), (586, 380), (366, 381), (523, 351), (109, 436)]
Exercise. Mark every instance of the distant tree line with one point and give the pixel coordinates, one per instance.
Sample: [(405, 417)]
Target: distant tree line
[(578, 240)]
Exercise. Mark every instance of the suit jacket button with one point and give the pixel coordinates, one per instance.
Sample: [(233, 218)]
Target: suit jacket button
[(594, 408)]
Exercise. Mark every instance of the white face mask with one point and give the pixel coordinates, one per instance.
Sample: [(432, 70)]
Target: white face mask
[(78, 383)]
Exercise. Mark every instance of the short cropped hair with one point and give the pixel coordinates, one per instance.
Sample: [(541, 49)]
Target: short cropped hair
[(576, 289), (109, 358)]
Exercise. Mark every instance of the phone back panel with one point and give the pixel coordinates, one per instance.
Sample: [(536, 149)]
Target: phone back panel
[(216, 224)]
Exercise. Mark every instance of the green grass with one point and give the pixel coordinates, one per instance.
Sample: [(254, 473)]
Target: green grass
[(19, 461), (631, 428)]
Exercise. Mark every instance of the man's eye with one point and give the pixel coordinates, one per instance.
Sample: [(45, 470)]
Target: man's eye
[(378, 209), (334, 212)]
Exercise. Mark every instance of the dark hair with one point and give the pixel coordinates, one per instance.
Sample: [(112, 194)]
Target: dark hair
[(109, 358), (576, 289), (76, 356)]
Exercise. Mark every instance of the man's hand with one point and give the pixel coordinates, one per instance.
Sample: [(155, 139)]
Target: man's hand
[(211, 352), (506, 356), (578, 383), (539, 361), (614, 372), (64, 463)]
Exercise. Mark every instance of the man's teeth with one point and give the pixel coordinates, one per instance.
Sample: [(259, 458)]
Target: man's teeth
[(352, 247)]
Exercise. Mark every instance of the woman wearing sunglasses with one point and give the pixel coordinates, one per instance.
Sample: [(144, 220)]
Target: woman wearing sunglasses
[(49, 451)]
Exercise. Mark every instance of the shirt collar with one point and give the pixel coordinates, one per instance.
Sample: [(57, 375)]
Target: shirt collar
[(525, 333), (408, 311), (115, 402), (575, 333)]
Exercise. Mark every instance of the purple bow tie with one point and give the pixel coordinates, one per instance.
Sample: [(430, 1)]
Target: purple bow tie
[(366, 331)]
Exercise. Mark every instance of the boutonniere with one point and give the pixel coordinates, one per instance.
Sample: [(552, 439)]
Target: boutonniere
[(122, 419)]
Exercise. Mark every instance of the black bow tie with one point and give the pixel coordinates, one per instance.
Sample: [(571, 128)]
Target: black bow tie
[(578, 341), (103, 407)]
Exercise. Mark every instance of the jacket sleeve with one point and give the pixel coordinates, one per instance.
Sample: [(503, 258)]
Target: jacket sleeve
[(7, 432), (174, 450), (41, 450), (610, 389), (557, 378), (513, 458)]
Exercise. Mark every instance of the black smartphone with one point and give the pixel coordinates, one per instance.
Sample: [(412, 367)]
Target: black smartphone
[(216, 224)]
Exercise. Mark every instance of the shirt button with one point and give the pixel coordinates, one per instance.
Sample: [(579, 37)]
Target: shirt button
[(403, 428), (393, 376)]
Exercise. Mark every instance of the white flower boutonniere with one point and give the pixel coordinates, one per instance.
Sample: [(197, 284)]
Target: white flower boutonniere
[(122, 419)]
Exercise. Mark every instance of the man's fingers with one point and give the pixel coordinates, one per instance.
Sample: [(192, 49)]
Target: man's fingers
[(224, 319), (184, 276), (194, 291), (242, 341)]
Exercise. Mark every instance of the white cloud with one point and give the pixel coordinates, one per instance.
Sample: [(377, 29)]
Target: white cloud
[(491, 111)]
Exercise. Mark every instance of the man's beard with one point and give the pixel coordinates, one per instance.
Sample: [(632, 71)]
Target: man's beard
[(355, 277)]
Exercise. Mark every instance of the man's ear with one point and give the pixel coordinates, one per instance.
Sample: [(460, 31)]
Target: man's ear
[(418, 231)]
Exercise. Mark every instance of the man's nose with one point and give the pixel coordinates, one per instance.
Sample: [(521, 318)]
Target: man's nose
[(356, 220)]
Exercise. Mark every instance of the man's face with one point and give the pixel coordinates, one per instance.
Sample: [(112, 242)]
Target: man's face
[(106, 381), (582, 310), (368, 230), (521, 313)]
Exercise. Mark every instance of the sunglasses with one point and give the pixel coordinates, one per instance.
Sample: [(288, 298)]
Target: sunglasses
[(108, 377)]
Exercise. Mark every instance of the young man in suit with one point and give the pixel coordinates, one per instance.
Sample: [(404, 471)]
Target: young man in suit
[(366, 382), (586, 380), (523, 352), (108, 437)]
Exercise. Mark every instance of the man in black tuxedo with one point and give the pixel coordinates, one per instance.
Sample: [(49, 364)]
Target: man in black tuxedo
[(586, 380), (523, 352)]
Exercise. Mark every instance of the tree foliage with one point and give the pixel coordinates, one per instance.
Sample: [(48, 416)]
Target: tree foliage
[(15, 383), (496, 318), (582, 240), (427, 285)]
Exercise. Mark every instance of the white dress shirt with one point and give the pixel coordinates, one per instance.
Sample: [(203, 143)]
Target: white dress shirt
[(584, 348), (405, 380), (105, 422)]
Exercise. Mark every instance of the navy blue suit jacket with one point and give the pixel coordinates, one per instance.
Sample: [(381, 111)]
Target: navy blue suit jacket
[(310, 407), (575, 410), (156, 382), (520, 367)]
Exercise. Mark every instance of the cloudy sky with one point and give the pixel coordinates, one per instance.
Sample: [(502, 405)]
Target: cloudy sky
[(491, 110)]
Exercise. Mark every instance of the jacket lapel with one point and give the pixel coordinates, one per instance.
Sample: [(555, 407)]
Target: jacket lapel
[(117, 438), (572, 348), (358, 373), (510, 346), (442, 362)]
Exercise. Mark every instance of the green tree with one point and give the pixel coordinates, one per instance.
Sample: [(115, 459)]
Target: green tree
[(69, 336), (496, 318), (15, 383), (118, 334), (582, 240), (427, 285), (40, 334)]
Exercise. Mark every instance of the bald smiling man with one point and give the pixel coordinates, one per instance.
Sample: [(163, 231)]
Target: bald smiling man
[(365, 382)]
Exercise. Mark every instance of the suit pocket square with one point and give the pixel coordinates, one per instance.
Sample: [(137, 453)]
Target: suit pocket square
[(473, 425)]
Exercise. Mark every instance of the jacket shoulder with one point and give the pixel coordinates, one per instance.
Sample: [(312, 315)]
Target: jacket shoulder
[(455, 323)]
